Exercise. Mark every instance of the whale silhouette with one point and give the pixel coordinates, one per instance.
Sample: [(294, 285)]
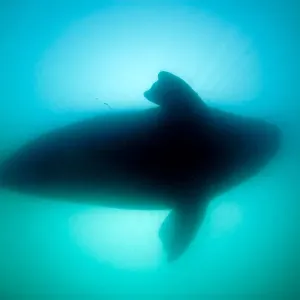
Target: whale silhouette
[(178, 155)]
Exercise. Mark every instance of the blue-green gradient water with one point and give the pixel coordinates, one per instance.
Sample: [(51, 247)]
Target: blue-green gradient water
[(62, 60)]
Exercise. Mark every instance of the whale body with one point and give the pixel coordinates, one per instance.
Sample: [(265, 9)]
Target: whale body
[(178, 155)]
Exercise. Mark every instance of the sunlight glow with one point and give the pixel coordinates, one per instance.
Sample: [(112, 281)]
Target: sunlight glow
[(124, 238), (114, 56)]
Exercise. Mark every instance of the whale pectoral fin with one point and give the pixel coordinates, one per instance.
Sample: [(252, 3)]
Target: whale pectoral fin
[(172, 92), (180, 228)]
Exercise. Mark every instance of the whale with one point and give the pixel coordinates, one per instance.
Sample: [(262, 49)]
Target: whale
[(178, 155)]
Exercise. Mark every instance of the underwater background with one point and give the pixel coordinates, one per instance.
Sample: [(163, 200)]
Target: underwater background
[(61, 61)]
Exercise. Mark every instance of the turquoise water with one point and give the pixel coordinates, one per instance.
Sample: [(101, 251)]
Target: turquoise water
[(62, 60)]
